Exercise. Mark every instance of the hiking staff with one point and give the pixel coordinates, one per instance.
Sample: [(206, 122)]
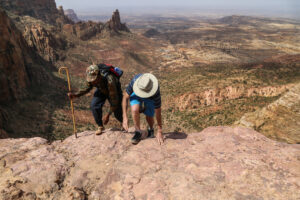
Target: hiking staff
[(69, 86)]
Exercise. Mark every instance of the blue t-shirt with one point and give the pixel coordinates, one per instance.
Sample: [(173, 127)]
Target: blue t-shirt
[(156, 97)]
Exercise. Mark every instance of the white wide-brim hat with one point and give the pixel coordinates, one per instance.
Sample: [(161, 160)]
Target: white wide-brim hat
[(145, 86)]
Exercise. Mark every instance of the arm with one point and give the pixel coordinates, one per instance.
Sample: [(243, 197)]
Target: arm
[(124, 109), (84, 90), (157, 105), (159, 136)]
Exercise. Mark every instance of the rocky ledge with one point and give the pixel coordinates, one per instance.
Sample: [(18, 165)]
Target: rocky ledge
[(217, 163)]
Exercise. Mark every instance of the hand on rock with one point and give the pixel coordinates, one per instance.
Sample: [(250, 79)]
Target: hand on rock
[(125, 124), (159, 137)]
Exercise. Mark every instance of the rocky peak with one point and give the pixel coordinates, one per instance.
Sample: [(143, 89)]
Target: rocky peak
[(60, 9), (115, 23), (89, 29), (71, 15), (218, 163)]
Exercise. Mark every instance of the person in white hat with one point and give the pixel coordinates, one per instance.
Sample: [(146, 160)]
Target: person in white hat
[(144, 95)]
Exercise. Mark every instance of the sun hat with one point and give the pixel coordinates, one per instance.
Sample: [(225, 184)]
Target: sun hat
[(92, 73), (145, 86)]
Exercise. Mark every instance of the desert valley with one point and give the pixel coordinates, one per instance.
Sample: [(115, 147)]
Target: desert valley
[(237, 75)]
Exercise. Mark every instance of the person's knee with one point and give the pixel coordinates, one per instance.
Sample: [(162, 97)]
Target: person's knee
[(96, 105), (150, 118), (135, 108)]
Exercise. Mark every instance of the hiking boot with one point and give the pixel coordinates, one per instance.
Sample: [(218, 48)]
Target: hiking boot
[(136, 138), (150, 133), (100, 130)]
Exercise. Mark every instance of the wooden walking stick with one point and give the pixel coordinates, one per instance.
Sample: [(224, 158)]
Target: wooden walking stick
[(69, 85)]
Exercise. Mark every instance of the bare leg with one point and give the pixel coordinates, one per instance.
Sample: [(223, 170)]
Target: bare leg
[(150, 121), (135, 111)]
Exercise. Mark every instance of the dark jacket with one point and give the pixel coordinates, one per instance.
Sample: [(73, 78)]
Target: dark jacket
[(108, 85)]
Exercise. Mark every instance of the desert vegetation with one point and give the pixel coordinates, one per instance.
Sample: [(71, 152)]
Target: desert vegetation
[(212, 71)]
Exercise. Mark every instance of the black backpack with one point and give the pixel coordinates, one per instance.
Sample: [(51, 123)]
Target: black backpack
[(105, 69)]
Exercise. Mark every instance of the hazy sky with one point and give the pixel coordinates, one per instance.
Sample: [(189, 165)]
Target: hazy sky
[(286, 6)]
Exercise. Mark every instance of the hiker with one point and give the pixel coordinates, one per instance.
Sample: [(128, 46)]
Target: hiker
[(106, 79), (144, 95)]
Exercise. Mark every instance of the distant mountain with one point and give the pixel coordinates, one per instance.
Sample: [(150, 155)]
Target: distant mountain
[(250, 20), (70, 13)]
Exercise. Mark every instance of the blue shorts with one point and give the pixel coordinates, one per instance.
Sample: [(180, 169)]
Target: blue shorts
[(149, 104)]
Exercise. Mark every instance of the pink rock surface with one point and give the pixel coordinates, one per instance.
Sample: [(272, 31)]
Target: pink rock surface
[(217, 163)]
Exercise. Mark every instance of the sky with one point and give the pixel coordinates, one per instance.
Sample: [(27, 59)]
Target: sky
[(291, 7)]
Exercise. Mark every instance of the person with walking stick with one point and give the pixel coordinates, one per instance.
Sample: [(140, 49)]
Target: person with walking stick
[(106, 79)]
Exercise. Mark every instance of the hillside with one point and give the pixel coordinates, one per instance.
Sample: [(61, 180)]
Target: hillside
[(36, 46), (217, 163), (282, 115), (25, 78), (41, 9), (215, 76), (212, 71)]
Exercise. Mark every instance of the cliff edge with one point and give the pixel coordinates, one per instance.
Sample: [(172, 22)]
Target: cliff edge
[(217, 163)]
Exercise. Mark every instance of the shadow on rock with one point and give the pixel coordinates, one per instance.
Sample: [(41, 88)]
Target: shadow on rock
[(175, 135)]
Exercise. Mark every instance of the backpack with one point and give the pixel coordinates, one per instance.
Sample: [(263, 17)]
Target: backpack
[(105, 69)]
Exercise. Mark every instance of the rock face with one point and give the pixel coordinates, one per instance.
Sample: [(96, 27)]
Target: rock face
[(70, 13), (14, 76), (115, 23), (83, 30), (44, 42), (20, 65), (280, 120), (218, 163), (214, 96), (3, 134), (42, 9), (23, 74)]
